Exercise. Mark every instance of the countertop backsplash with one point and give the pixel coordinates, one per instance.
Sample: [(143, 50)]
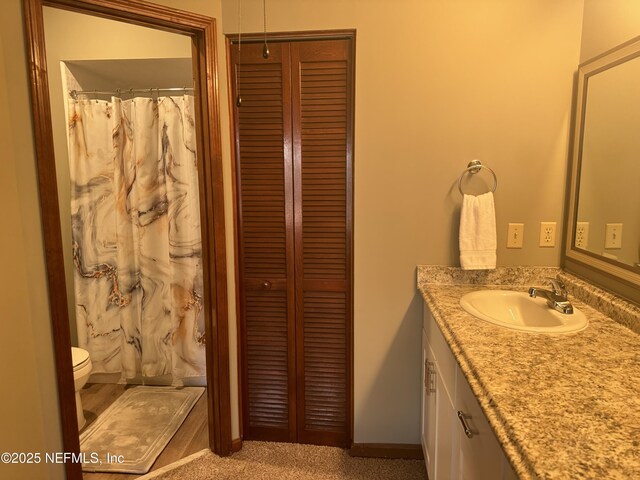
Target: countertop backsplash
[(611, 305)]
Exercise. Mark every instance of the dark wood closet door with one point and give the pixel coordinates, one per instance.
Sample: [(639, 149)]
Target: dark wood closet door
[(265, 234), (294, 192), (322, 204)]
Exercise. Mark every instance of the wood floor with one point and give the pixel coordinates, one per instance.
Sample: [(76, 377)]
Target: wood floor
[(192, 436)]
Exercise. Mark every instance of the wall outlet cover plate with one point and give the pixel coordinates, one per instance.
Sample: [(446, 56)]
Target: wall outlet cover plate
[(547, 234)]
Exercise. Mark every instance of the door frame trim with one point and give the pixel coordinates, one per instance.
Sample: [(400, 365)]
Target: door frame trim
[(295, 36), (202, 30)]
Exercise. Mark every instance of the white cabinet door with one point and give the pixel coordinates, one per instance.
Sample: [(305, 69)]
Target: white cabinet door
[(438, 414), (429, 415), (445, 430), (478, 455), (448, 451)]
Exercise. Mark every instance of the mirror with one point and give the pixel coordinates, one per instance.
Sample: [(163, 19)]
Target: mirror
[(603, 231)]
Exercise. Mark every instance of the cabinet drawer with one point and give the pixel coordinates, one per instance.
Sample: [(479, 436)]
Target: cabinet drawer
[(446, 362)]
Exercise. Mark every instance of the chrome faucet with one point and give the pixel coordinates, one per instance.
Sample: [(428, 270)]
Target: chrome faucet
[(556, 297)]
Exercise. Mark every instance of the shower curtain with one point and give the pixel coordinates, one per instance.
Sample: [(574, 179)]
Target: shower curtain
[(136, 237)]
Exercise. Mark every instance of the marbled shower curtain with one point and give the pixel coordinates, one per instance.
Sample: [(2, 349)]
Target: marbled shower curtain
[(136, 237)]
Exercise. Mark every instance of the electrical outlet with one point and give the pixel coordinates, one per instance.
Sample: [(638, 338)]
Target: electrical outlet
[(582, 235), (613, 235), (515, 235), (547, 234)]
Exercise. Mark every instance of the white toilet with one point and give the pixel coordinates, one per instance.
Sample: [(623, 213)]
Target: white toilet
[(81, 371)]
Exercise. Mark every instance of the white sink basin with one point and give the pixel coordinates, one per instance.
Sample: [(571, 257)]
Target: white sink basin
[(518, 311)]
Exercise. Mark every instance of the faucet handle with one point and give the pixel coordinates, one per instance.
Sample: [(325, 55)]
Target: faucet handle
[(558, 286)]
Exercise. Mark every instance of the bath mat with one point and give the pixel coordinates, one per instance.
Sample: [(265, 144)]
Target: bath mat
[(129, 435)]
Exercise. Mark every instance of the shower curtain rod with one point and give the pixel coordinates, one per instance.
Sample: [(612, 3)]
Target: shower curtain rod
[(118, 91)]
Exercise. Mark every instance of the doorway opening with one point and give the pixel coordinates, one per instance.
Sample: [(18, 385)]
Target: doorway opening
[(184, 342)]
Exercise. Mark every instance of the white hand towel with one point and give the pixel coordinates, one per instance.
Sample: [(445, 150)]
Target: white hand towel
[(478, 232)]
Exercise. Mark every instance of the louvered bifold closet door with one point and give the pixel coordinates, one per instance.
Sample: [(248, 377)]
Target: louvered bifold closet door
[(265, 238), (322, 149)]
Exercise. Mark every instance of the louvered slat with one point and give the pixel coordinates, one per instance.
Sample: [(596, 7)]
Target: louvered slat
[(265, 245), (267, 364), (324, 169), (325, 361), (262, 177), (322, 174)]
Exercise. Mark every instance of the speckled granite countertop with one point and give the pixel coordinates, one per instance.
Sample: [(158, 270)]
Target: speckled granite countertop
[(563, 406)]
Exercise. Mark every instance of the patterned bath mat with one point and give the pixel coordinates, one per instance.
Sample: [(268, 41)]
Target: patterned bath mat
[(129, 435)]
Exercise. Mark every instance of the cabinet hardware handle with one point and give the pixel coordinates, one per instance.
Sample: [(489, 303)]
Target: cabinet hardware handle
[(426, 376), (432, 377), (467, 431), (266, 285), (429, 377)]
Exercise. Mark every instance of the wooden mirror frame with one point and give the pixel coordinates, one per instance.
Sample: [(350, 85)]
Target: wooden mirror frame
[(202, 31), (615, 276)]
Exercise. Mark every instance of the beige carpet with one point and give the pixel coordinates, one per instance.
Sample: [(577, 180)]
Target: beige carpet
[(290, 461), (135, 428)]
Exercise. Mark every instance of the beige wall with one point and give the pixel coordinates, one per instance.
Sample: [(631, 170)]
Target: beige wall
[(608, 24), (437, 85), (29, 415), (28, 407)]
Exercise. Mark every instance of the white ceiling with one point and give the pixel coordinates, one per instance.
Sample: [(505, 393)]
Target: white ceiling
[(132, 73)]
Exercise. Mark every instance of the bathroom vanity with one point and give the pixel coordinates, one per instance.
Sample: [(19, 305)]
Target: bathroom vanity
[(505, 404), (457, 440)]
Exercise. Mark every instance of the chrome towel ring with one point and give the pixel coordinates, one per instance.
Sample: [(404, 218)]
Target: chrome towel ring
[(474, 167)]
